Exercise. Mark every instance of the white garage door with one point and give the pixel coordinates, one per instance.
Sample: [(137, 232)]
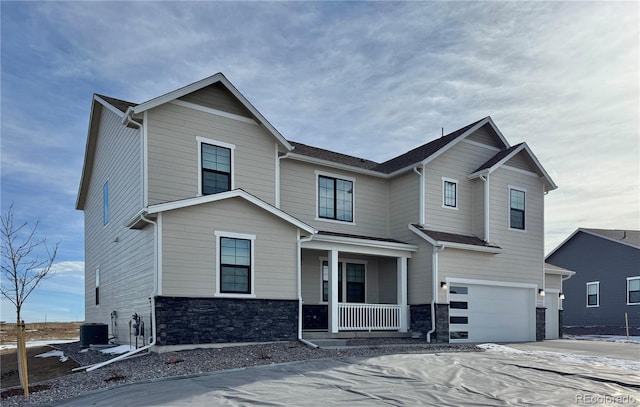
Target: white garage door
[(484, 313)]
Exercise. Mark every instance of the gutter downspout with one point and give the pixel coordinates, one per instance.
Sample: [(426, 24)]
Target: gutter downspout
[(153, 305), (485, 180), (299, 275), (421, 198), (434, 267)]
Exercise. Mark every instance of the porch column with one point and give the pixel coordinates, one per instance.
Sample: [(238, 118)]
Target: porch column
[(333, 291), (402, 292)]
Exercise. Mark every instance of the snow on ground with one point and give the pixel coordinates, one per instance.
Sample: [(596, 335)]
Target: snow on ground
[(568, 357), (33, 344), (118, 350), (605, 338), (54, 353)]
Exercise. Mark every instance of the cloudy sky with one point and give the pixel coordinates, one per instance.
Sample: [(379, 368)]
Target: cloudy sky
[(368, 79)]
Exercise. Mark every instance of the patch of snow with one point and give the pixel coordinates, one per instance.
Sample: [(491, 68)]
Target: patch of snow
[(118, 350), (567, 357), (33, 344), (54, 353), (604, 338), (84, 350)]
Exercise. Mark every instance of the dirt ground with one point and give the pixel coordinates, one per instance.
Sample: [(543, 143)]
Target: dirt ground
[(40, 331), (39, 368)]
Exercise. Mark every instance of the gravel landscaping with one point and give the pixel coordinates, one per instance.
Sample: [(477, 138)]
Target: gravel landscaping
[(153, 366)]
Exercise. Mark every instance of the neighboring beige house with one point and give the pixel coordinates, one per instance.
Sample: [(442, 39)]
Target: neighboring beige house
[(204, 220)]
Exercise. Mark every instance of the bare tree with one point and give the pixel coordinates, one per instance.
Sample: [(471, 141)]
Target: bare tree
[(26, 261)]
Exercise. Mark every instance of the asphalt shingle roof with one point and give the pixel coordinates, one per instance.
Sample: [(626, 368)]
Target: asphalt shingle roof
[(496, 158), (377, 239), (454, 237), (332, 156)]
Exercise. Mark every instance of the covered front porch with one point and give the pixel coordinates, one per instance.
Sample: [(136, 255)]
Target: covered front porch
[(354, 284)]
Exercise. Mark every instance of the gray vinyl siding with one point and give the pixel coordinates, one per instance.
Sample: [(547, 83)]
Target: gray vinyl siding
[(189, 249), (298, 198), (553, 281), (597, 259), (458, 162), (404, 202), (523, 162), (521, 260), (173, 153), (477, 203), (486, 135), (420, 274), (124, 256), (216, 96)]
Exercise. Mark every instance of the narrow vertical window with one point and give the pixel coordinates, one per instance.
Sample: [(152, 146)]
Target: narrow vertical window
[(98, 286), (449, 193), (593, 294), (516, 209), (335, 198), (633, 290), (105, 203)]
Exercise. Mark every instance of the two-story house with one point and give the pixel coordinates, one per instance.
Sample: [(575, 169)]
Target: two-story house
[(202, 218)]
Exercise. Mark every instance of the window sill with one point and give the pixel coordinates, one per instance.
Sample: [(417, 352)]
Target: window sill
[(593, 306), (340, 222), (633, 303), (230, 295), (517, 230), (455, 208)]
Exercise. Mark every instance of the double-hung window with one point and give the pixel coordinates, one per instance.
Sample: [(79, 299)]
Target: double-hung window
[(516, 208), (593, 294), (449, 193), (355, 275), (633, 290), (216, 166), (234, 258), (335, 198)]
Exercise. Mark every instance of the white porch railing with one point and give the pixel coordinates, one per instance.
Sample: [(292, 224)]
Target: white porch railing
[(368, 317)]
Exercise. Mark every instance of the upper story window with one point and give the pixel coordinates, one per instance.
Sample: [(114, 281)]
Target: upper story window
[(234, 264), (216, 166), (516, 208), (449, 193), (335, 198), (593, 294), (633, 290), (105, 203)]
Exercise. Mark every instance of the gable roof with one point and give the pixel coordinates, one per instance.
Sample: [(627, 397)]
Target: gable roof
[(454, 240), (505, 155), (236, 193), (625, 237)]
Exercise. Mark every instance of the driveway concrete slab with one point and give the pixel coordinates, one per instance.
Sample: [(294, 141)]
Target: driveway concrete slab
[(615, 350)]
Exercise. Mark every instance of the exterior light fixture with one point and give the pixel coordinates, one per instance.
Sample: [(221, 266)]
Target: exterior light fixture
[(443, 285), (541, 292), (561, 296)]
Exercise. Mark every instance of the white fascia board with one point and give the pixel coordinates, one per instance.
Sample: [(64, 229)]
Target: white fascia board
[(559, 272), (365, 242), (236, 193), (452, 245), (326, 163), (368, 249), (540, 167), (219, 77), (108, 106)]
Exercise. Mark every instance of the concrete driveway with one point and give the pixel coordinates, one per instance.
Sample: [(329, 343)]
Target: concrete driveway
[(501, 376)]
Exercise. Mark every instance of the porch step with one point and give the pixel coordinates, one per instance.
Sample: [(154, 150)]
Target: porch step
[(354, 334)]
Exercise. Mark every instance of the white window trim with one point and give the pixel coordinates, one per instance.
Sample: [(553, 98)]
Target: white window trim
[(627, 290), (232, 147), (511, 187), (106, 209), (318, 173), (597, 283), (454, 181), (218, 234), (344, 277)]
